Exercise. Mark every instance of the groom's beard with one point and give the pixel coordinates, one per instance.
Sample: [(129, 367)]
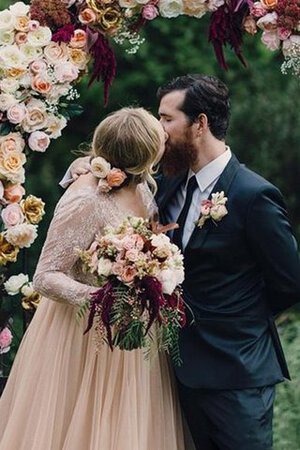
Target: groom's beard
[(179, 156)]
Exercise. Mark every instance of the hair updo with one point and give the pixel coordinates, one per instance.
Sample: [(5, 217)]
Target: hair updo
[(130, 140)]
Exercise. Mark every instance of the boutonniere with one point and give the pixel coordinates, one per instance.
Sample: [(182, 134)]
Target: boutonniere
[(213, 209)]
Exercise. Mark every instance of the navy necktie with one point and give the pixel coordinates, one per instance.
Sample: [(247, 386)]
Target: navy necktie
[(178, 233)]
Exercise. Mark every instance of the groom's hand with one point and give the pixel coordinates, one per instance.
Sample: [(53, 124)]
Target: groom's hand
[(80, 166)]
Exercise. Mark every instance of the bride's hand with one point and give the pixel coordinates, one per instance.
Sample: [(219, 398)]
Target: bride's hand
[(80, 166)]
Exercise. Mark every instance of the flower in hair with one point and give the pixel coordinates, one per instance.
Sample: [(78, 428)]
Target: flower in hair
[(110, 177)]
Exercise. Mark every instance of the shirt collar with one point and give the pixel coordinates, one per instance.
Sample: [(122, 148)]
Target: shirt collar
[(209, 173)]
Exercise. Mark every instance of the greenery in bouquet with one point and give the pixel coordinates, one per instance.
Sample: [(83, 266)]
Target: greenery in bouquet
[(139, 301)]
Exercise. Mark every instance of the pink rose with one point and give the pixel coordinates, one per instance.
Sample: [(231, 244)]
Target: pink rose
[(283, 33), (16, 113), (12, 215), (149, 12), (40, 84), (258, 10), (13, 193), (268, 22), (66, 72), (56, 52), (135, 241), (128, 274), (39, 66), (205, 207), (33, 25), (5, 340), (271, 40), (38, 141)]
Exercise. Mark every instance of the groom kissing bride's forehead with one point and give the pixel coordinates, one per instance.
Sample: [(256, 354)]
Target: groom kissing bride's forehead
[(242, 269)]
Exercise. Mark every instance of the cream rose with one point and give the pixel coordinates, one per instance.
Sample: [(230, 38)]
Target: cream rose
[(16, 113), (40, 37), (11, 167), (168, 280), (27, 289), (38, 141), (128, 3), (55, 125), (170, 8), (30, 53), (7, 20), (35, 119), (104, 267), (21, 235), (56, 52), (22, 24), (19, 9), (78, 57), (9, 85), (15, 283), (6, 101), (13, 193), (12, 57), (100, 167), (6, 37)]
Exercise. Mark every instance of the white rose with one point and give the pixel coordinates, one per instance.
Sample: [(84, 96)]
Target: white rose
[(168, 280), (21, 235), (6, 37), (56, 52), (40, 37), (6, 101), (19, 9), (100, 167), (170, 8), (160, 240), (55, 125), (7, 20), (30, 52), (15, 283), (217, 212), (16, 113), (104, 267), (27, 290), (25, 81), (38, 141), (9, 85), (179, 274), (12, 57)]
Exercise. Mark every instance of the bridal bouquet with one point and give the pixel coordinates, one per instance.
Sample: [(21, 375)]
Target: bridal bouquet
[(139, 271)]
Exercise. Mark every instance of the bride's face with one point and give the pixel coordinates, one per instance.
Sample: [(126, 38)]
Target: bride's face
[(163, 139)]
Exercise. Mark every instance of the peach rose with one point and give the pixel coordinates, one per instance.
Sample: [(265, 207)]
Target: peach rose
[(128, 274), (20, 38), (79, 39), (115, 177), (22, 23), (13, 193), (16, 113), (269, 4), (41, 85), (36, 117), (56, 52), (11, 167), (38, 141), (78, 57), (87, 16), (12, 142), (12, 215)]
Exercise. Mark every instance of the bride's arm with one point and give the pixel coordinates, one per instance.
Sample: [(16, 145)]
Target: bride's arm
[(76, 221), (78, 167)]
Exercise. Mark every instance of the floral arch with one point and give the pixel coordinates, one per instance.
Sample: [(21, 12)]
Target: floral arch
[(47, 46)]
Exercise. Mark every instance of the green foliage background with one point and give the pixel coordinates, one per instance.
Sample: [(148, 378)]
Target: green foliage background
[(264, 134)]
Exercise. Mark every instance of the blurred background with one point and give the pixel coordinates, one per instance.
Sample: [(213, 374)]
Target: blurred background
[(264, 134)]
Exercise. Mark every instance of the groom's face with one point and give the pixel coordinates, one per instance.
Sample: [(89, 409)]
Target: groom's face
[(180, 150)]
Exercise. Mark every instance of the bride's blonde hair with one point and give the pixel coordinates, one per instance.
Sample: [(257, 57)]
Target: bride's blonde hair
[(130, 139)]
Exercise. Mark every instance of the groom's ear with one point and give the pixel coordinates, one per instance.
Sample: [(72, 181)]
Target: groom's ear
[(201, 123)]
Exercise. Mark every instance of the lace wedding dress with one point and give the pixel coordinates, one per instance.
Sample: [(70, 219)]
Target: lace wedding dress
[(61, 393)]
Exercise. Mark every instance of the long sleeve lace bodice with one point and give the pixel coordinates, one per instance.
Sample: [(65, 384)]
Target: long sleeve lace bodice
[(80, 214)]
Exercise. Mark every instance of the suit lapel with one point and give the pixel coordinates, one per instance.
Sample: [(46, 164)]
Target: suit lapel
[(223, 184)]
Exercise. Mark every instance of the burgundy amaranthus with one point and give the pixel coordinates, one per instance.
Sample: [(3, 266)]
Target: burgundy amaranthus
[(288, 13), (51, 13)]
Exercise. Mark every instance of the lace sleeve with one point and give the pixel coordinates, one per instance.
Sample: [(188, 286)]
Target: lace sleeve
[(76, 221)]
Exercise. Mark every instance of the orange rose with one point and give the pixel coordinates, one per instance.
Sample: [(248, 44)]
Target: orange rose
[(116, 177), (269, 4)]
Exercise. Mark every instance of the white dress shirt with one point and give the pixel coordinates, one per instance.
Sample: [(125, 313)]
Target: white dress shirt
[(206, 178)]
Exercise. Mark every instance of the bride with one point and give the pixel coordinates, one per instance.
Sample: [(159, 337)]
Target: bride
[(61, 393)]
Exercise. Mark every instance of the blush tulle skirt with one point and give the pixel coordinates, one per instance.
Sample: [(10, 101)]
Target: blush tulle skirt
[(63, 395)]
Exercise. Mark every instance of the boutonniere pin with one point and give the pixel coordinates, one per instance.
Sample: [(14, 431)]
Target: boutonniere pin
[(213, 209)]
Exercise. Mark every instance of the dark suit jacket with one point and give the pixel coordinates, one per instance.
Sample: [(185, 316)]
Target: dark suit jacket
[(239, 274)]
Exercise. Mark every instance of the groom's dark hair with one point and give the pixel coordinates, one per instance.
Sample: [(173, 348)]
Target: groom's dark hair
[(203, 94)]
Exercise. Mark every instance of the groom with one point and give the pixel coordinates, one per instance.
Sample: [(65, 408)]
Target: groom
[(241, 269)]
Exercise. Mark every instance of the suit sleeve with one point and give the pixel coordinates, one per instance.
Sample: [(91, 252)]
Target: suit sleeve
[(272, 241)]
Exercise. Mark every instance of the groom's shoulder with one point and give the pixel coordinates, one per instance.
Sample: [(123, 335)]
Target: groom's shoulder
[(251, 181)]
